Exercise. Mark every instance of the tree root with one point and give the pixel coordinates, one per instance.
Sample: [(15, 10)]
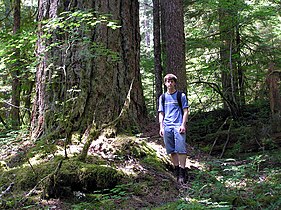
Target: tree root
[(95, 132)]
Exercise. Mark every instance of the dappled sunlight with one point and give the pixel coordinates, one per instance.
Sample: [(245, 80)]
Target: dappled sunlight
[(132, 168), (212, 182)]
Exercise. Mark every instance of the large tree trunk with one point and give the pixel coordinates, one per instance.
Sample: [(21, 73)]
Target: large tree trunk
[(173, 40), (76, 88)]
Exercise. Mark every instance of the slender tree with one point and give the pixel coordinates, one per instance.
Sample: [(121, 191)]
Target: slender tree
[(15, 112), (229, 75), (81, 85)]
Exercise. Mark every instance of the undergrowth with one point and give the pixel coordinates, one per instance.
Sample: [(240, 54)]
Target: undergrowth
[(250, 183), (247, 176)]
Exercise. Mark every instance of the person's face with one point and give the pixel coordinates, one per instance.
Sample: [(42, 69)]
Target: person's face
[(170, 84)]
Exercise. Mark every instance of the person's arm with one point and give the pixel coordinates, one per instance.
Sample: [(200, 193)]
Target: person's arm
[(161, 119), (184, 120)]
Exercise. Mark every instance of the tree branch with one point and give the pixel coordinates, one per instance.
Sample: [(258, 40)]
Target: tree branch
[(217, 89), (8, 14)]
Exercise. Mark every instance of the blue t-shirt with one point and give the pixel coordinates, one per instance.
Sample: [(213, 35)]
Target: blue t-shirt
[(171, 109)]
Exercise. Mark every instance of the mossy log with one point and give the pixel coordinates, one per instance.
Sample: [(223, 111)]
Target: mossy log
[(76, 176), (62, 178)]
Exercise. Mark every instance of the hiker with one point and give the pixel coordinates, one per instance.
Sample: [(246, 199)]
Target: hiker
[(173, 114)]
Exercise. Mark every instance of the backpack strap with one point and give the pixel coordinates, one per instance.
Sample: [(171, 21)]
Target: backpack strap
[(163, 100), (179, 101)]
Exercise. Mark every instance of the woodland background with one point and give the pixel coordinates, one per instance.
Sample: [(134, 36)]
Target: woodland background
[(78, 93)]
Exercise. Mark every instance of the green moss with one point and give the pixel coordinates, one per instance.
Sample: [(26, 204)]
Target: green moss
[(73, 176), (137, 152), (26, 179), (154, 162), (98, 177)]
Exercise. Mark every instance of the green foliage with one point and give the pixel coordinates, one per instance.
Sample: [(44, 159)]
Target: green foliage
[(259, 29), (105, 198), (247, 184), (17, 55), (147, 67), (68, 27)]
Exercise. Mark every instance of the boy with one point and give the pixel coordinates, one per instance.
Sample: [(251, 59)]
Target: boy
[(173, 125)]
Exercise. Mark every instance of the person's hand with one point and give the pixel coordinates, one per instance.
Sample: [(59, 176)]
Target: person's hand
[(161, 132), (182, 129)]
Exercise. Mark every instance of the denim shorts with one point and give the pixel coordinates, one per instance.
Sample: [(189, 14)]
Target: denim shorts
[(175, 142)]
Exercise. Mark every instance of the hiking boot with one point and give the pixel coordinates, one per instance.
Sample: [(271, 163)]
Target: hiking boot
[(182, 176), (176, 172)]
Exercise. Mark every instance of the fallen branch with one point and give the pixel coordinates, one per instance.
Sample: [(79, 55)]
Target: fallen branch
[(220, 128)]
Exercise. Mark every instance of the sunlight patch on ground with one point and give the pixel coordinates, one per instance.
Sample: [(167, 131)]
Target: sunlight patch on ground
[(160, 151), (132, 168)]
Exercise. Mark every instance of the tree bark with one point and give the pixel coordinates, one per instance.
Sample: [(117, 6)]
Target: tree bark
[(15, 112), (157, 51), (240, 71), (273, 82), (82, 89), (173, 40)]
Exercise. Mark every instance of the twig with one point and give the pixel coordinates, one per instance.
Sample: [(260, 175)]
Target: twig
[(227, 140), (18, 107), (31, 166), (43, 179), (7, 15), (220, 128), (7, 190), (259, 144)]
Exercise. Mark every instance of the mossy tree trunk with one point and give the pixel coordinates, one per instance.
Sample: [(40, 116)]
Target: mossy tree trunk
[(79, 86)]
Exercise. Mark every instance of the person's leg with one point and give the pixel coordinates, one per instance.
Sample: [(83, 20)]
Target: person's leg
[(175, 159), (170, 143), (169, 140), (182, 170), (180, 148), (182, 160)]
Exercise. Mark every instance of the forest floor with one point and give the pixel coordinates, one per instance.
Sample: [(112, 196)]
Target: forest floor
[(249, 182)]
